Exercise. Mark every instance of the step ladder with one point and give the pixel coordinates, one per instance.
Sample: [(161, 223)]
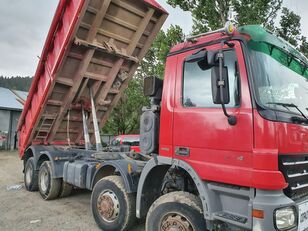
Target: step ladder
[(45, 127)]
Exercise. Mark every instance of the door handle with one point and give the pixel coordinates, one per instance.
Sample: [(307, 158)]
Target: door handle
[(182, 151)]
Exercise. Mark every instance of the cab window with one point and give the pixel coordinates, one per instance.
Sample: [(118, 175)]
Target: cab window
[(197, 83)]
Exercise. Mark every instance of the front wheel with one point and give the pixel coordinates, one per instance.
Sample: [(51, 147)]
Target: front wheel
[(176, 211), (112, 207)]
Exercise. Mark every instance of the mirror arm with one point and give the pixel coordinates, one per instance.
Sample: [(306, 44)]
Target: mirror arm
[(231, 118)]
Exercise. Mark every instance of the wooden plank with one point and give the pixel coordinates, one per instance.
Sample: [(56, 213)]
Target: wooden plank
[(75, 55), (94, 76), (81, 70), (101, 97), (54, 102), (142, 53), (114, 36), (139, 32), (128, 7), (84, 85), (121, 22), (65, 81), (98, 20), (106, 64), (74, 119), (117, 37), (131, 9), (130, 49), (107, 48), (92, 10), (70, 95)]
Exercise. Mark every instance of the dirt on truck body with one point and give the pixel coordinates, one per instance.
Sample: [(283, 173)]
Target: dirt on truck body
[(93, 48)]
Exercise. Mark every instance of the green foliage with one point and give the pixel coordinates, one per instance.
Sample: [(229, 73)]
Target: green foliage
[(154, 62), (16, 83), (125, 116), (213, 14), (261, 12), (304, 46), (290, 27)]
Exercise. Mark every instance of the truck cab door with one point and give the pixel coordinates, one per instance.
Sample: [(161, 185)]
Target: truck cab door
[(202, 135)]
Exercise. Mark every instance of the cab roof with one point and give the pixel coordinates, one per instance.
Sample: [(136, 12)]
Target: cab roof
[(259, 34), (253, 34)]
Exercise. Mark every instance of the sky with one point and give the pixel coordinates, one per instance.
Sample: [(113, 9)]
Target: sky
[(24, 26)]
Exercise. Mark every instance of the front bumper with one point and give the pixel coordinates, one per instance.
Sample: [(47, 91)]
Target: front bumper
[(269, 201)]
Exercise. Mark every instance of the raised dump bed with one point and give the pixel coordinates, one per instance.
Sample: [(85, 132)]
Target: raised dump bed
[(92, 46)]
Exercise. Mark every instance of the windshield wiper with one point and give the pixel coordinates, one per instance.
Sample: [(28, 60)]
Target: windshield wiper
[(292, 105)]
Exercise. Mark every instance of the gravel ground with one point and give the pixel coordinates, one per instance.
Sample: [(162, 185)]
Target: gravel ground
[(23, 210)]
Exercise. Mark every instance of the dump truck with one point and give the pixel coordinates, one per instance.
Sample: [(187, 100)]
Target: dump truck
[(223, 144)]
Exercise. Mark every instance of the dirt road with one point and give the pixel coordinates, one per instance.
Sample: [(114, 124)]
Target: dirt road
[(23, 210)]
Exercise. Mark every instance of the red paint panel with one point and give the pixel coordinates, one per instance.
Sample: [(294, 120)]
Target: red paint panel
[(292, 138), (58, 37), (219, 152), (166, 114)]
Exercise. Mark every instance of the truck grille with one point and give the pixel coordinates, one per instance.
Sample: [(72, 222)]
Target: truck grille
[(295, 171)]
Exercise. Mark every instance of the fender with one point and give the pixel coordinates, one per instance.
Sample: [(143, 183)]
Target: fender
[(56, 157), (130, 177), (152, 176)]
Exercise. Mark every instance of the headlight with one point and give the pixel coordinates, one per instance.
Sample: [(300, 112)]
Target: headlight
[(285, 218)]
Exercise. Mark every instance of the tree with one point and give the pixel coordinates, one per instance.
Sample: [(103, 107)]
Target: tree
[(290, 30), (262, 12), (16, 83), (304, 46), (290, 27), (154, 62), (125, 116), (213, 14)]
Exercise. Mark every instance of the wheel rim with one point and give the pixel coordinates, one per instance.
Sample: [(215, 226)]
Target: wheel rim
[(44, 180), (29, 173), (175, 222), (108, 206)]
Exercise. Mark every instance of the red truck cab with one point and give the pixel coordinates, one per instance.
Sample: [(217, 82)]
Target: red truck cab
[(249, 152)]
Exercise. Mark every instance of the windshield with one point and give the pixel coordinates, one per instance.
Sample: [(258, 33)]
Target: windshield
[(282, 81)]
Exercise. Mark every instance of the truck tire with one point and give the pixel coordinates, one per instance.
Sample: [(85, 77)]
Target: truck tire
[(176, 211), (112, 207), (31, 176), (66, 189), (49, 187)]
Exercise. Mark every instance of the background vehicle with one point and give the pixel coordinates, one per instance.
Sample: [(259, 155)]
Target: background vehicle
[(223, 145), (132, 141)]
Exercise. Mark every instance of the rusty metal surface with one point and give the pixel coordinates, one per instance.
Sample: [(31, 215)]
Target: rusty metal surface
[(108, 40)]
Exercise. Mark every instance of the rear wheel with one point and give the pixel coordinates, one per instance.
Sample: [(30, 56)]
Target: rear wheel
[(66, 189), (176, 211), (49, 187), (31, 176), (112, 207)]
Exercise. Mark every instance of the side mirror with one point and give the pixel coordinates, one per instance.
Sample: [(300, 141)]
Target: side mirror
[(152, 86), (217, 83)]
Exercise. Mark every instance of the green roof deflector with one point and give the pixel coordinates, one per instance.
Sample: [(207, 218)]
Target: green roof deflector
[(260, 34)]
